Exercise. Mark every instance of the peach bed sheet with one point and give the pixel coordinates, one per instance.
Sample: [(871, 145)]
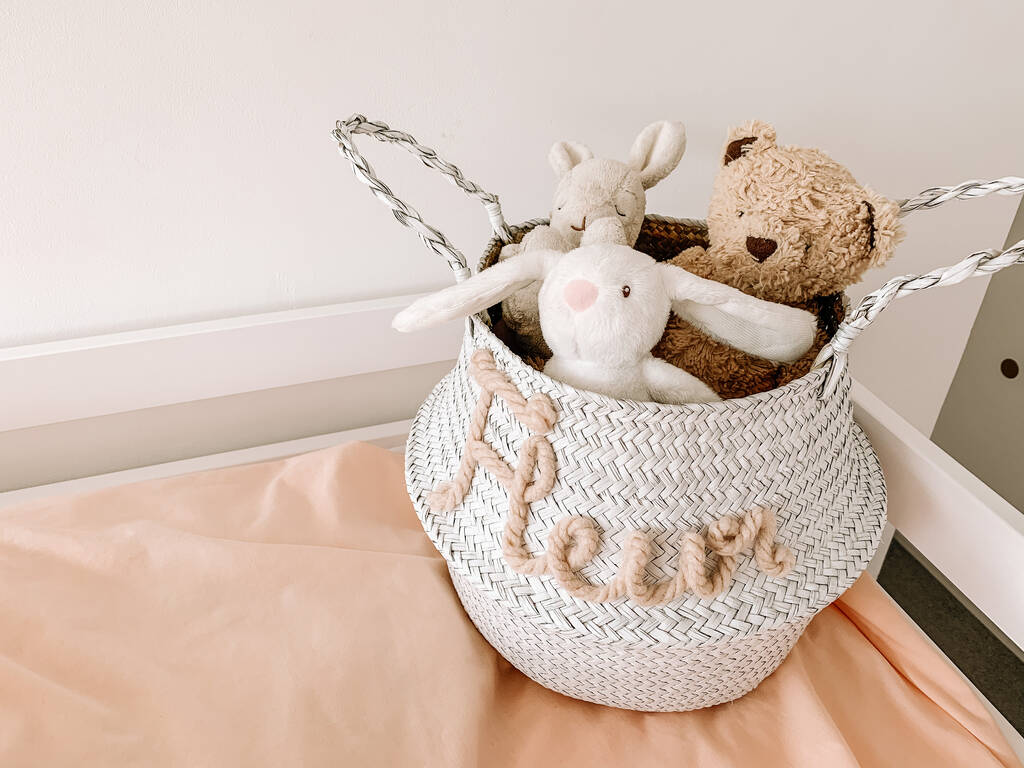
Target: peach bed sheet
[(294, 613)]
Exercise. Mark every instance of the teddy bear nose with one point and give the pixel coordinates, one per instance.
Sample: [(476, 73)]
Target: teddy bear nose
[(761, 247), (580, 294)]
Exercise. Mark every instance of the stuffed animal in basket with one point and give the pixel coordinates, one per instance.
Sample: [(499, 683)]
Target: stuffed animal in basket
[(788, 225), (603, 306), (591, 188)]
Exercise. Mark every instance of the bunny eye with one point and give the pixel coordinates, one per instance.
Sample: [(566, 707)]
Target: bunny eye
[(740, 214), (625, 291), (618, 211)]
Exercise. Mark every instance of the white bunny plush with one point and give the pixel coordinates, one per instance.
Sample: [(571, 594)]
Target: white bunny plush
[(604, 306), (590, 189)]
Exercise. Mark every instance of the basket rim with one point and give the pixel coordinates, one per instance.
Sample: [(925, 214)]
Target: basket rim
[(814, 377)]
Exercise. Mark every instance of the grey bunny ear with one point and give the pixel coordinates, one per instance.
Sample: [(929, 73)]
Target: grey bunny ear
[(477, 293), (657, 151), (760, 328), (566, 155)]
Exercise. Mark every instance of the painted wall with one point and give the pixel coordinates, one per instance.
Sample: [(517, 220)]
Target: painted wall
[(169, 162)]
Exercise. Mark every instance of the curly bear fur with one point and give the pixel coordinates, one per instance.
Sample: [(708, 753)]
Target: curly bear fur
[(785, 224)]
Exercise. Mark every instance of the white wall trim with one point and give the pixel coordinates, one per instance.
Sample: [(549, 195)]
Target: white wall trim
[(99, 375), (971, 534), (391, 436)]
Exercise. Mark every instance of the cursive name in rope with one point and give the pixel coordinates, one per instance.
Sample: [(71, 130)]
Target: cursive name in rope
[(574, 540)]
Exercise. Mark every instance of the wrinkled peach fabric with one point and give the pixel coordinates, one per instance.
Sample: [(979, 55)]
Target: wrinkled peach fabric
[(294, 613)]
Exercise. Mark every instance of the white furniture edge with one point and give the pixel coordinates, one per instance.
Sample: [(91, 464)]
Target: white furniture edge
[(391, 436), (972, 535), (99, 375)]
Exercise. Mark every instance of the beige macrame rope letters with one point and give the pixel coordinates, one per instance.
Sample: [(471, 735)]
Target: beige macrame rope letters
[(574, 540)]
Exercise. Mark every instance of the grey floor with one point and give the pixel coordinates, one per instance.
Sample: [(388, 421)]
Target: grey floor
[(990, 665)]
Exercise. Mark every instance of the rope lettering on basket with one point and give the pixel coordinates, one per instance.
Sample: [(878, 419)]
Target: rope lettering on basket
[(574, 540)]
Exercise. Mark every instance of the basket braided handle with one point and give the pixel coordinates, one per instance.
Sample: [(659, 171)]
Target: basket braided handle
[(434, 239), (978, 264), (936, 196)]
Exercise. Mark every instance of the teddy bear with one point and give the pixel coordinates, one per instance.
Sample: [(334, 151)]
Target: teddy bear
[(786, 224), (590, 189)]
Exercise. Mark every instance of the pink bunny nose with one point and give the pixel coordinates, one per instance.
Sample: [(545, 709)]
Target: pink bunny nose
[(580, 294)]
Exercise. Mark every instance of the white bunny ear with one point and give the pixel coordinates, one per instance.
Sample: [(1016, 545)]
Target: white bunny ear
[(566, 155), (657, 151), (475, 294), (760, 328)]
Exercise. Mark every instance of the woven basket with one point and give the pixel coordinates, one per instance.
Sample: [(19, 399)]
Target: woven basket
[(581, 584)]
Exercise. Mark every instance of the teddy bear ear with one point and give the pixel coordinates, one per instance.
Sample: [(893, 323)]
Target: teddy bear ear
[(566, 155), (881, 217), (754, 136)]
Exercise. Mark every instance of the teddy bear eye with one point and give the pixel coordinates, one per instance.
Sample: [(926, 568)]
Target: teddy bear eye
[(625, 291), (618, 211), (740, 214)]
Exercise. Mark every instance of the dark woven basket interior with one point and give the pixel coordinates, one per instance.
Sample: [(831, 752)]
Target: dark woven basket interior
[(659, 237)]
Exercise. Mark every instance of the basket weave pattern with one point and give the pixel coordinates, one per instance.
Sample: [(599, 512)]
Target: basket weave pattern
[(580, 664), (574, 540)]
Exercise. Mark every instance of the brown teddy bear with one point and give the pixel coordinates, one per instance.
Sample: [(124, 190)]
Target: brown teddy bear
[(785, 224)]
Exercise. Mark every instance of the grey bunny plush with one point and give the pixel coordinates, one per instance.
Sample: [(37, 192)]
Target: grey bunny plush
[(590, 189)]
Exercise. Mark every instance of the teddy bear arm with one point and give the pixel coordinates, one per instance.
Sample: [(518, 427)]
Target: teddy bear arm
[(697, 261), (728, 371)]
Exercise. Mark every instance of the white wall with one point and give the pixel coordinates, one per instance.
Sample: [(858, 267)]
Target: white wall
[(168, 162)]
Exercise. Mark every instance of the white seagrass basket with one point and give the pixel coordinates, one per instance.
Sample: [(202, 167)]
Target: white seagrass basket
[(639, 555)]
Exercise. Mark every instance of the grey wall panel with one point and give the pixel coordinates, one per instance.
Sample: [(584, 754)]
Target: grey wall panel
[(84, 447), (981, 423)]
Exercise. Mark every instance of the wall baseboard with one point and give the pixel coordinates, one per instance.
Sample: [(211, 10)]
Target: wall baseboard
[(391, 436), (102, 444), (99, 375), (972, 535)]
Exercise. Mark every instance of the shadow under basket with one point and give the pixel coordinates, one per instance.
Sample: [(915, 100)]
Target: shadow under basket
[(635, 554)]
